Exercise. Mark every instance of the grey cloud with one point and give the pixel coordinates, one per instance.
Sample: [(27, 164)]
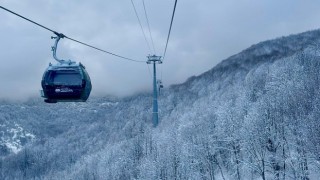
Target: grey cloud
[(204, 33)]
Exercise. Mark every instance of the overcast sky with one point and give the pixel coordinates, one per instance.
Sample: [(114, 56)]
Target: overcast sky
[(204, 33)]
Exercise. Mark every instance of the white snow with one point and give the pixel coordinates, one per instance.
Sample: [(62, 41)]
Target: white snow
[(12, 138)]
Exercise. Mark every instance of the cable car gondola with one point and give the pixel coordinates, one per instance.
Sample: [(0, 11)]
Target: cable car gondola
[(66, 81)]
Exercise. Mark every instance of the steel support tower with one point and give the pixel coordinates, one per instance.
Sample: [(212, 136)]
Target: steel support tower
[(155, 60)]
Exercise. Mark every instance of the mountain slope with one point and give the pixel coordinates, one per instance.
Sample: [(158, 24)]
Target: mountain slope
[(253, 116)]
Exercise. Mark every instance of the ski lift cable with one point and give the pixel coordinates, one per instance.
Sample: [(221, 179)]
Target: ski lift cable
[(174, 10), (145, 12), (129, 59), (144, 35), (64, 36)]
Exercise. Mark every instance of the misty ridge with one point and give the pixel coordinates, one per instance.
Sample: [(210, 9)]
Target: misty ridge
[(253, 116)]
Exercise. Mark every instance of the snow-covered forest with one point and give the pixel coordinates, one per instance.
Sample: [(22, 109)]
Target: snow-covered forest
[(253, 116)]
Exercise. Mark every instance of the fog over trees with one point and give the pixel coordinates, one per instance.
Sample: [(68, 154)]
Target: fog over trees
[(253, 116)]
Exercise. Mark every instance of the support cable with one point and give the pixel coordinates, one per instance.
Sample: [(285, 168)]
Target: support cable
[(145, 12), (27, 19), (174, 10), (64, 36), (129, 59), (144, 35)]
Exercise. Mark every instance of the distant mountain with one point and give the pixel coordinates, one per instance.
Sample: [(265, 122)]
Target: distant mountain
[(253, 116)]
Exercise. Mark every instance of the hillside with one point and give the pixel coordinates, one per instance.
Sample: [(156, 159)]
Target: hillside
[(253, 116)]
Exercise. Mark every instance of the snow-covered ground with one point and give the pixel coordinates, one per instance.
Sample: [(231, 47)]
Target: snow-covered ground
[(253, 116), (15, 137)]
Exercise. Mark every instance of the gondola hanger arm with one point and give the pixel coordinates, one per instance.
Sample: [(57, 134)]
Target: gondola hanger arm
[(54, 49)]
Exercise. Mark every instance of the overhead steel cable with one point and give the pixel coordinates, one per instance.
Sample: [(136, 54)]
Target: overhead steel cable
[(144, 35), (129, 59), (27, 19), (64, 36), (174, 10), (145, 12)]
